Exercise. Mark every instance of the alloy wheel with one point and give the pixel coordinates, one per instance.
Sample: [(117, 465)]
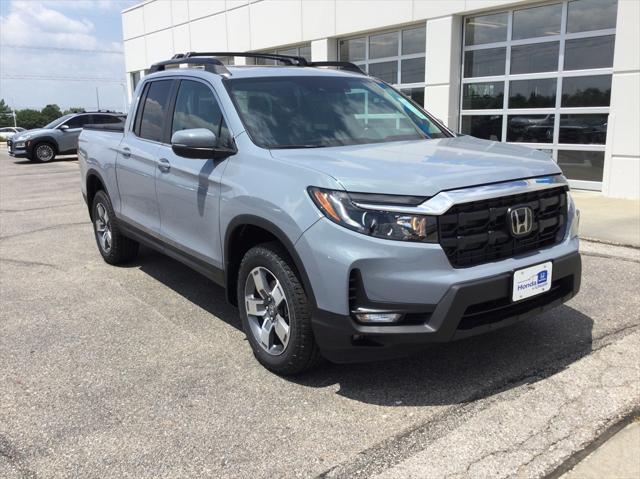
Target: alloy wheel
[(44, 152), (267, 310), (103, 228)]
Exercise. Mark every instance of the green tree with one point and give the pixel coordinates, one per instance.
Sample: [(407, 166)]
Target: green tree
[(6, 118), (73, 109), (29, 118), (51, 112)]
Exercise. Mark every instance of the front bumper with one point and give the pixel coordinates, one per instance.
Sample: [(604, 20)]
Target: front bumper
[(16, 152), (466, 309)]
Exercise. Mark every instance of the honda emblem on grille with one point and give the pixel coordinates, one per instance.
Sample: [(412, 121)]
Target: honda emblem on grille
[(521, 220)]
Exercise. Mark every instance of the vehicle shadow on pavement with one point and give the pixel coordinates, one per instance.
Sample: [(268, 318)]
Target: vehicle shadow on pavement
[(57, 159), (466, 370), (443, 374), (189, 284)]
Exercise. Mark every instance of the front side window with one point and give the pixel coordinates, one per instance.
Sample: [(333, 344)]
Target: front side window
[(312, 112), (154, 110), (196, 107), (58, 121)]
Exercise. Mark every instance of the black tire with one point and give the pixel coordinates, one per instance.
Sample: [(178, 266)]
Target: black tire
[(301, 353), (121, 249), (43, 152)]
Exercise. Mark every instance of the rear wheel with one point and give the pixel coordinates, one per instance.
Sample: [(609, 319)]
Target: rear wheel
[(44, 152), (114, 247), (275, 311)]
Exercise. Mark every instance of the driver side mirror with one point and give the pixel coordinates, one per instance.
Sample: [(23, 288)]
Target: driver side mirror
[(63, 127), (199, 143)]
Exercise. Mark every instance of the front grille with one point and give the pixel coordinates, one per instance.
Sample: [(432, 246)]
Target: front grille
[(479, 232)]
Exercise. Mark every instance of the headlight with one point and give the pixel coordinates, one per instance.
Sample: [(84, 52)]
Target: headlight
[(339, 207), (575, 224), (18, 144)]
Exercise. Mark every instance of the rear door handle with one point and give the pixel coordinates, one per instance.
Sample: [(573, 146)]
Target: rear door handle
[(164, 165), (126, 152)]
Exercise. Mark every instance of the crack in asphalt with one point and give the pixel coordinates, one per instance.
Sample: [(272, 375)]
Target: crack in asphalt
[(608, 256), (22, 262), (39, 208), (399, 447), (15, 458), (46, 228)]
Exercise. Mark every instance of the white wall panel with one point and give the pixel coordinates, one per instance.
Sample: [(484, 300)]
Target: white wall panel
[(236, 3), (627, 56), (179, 11), (202, 8), (159, 46), (436, 8), (318, 19), (135, 54), (209, 33), (624, 178), (625, 102), (133, 23), (472, 5), (355, 15), (157, 15), (275, 23), (238, 31), (181, 39)]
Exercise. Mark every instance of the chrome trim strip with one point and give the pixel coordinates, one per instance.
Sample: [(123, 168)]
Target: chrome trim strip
[(444, 200)]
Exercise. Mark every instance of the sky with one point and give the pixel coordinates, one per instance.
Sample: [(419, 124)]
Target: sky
[(61, 51)]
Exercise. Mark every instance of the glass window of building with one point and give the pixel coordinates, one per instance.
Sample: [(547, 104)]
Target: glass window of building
[(541, 77), (397, 57), (296, 51)]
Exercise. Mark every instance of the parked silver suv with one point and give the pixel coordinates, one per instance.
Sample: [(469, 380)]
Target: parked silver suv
[(60, 137), (342, 219)]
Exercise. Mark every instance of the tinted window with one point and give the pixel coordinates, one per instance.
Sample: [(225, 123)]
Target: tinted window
[(79, 121), (537, 22), (596, 52), (414, 40), (154, 109), (483, 95), (383, 45), (583, 129), (488, 127), (412, 70), (196, 107), (106, 119), (482, 63), (586, 91), (486, 29), (416, 94), (586, 15), (532, 93), (387, 71), (353, 50), (538, 57), (530, 128), (582, 165)]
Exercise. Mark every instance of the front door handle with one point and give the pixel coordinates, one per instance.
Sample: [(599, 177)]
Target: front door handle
[(126, 152), (164, 165)]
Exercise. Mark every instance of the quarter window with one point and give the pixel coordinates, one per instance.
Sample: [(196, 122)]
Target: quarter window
[(541, 77), (154, 110)]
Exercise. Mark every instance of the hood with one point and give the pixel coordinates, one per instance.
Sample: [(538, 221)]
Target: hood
[(25, 135), (423, 167)]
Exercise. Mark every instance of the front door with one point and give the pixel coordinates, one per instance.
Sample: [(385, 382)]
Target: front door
[(68, 140), (189, 189)]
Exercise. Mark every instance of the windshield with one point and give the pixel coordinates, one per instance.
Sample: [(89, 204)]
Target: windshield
[(58, 121), (313, 112)]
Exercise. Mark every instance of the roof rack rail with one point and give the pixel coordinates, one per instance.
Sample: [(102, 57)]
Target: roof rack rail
[(214, 65), (288, 59), (352, 67)]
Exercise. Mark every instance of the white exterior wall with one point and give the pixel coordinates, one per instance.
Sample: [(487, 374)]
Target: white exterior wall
[(157, 29)]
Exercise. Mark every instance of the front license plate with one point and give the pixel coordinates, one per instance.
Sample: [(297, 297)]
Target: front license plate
[(531, 281)]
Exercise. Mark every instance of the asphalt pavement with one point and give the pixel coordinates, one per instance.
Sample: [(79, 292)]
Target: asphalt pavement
[(143, 370)]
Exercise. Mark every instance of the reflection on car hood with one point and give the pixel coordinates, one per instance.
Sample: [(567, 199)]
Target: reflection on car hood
[(25, 135), (423, 167)]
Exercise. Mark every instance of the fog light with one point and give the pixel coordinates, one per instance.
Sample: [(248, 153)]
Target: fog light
[(378, 317)]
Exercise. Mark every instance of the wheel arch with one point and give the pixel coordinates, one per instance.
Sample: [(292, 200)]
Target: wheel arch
[(237, 242), (45, 139), (94, 183)]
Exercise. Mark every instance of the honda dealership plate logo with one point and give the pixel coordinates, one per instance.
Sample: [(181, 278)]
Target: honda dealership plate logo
[(521, 220)]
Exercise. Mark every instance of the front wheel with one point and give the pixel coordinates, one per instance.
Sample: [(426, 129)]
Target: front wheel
[(275, 311), (114, 247), (44, 152)]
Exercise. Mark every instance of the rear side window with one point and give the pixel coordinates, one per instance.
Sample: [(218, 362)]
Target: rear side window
[(155, 107), (196, 107), (107, 119), (78, 121)]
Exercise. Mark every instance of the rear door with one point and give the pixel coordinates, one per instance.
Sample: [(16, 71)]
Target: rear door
[(189, 189), (138, 157)]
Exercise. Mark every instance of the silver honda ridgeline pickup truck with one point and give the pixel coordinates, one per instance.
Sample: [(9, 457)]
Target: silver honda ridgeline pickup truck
[(341, 218)]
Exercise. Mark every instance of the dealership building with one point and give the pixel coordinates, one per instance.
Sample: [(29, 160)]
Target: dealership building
[(561, 76)]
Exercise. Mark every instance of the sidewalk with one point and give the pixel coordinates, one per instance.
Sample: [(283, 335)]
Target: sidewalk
[(618, 457), (609, 220)]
